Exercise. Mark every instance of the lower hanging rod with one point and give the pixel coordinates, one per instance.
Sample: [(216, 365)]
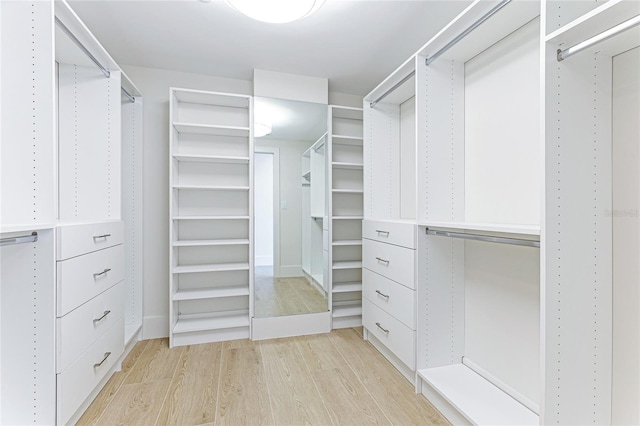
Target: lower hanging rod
[(485, 238), (605, 35), (78, 43), (19, 240), (129, 95)]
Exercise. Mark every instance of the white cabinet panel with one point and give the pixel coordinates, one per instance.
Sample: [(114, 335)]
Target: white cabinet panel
[(396, 336)]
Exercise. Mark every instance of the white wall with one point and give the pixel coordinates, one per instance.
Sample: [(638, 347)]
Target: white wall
[(154, 84), (291, 194), (263, 208)]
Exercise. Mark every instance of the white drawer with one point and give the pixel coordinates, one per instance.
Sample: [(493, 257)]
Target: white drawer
[(76, 383), (82, 278), (77, 330), (394, 262), (74, 240), (396, 336), (398, 233), (393, 298)]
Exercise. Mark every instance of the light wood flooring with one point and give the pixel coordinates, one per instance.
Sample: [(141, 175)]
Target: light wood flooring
[(285, 296), (327, 379)]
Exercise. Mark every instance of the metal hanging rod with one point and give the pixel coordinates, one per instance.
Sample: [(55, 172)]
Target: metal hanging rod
[(68, 32), (466, 32), (570, 51), (395, 86), (485, 238), (129, 95), (19, 240)]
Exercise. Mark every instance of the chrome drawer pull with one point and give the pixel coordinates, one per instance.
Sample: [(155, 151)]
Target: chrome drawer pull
[(102, 317), (386, 262), (380, 232), (383, 329), (97, 237), (97, 274), (106, 355), (386, 296)]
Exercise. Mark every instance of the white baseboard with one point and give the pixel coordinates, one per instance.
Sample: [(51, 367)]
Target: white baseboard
[(155, 327)]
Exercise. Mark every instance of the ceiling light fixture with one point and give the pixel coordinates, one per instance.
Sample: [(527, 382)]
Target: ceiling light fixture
[(276, 11), (261, 129)]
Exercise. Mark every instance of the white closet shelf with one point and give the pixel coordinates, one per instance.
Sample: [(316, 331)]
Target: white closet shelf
[(349, 113), (347, 166), (347, 140), (212, 98), (528, 230), (347, 287), (348, 309), (213, 267), (211, 293), (476, 398), (348, 191), (211, 187), (26, 228), (350, 264), (210, 129), (189, 323), (347, 243), (196, 243), (348, 217), (197, 158), (211, 218)]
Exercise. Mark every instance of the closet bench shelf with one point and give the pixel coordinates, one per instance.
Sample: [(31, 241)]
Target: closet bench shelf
[(202, 322), (209, 129), (212, 293), (210, 159), (354, 264), (195, 243), (347, 287), (476, 398), (214, 267)]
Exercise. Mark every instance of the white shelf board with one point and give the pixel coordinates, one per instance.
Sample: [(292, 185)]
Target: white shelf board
[(26, 228), (476, 398), (346, 287), (351, 264), (347, 217), (211, 98), (347, 166), (197, 158), (208, 129), (217, 321), (213, 267), (348, 191), (196, 243), (529, 230), (211, 218), (346, 140), (347, 243), (347, 310), (394, 78), (211, 187), (211, 293)]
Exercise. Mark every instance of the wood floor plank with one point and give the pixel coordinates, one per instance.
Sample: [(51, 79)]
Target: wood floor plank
[(293, 394), (393, 393), (319, 353), (192, 395), (346, 399), (243, 397), (108, 392), (239, 344), (157, 362), (136, 404)]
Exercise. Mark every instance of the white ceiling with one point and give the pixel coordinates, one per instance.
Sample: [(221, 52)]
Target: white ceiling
[(355, 44)]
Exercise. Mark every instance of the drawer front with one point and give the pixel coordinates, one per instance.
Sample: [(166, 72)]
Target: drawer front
[(394, 262), (82, 278), (75, 240), (398, 233), (76, 383), (393, 298), (396, 336), (81, 327)]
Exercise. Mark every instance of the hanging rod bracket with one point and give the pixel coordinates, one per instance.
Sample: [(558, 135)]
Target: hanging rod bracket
[(484, 238)]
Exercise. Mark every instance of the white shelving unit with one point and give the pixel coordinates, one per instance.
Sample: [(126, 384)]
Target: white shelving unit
[(345, 208), (211, 210)]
